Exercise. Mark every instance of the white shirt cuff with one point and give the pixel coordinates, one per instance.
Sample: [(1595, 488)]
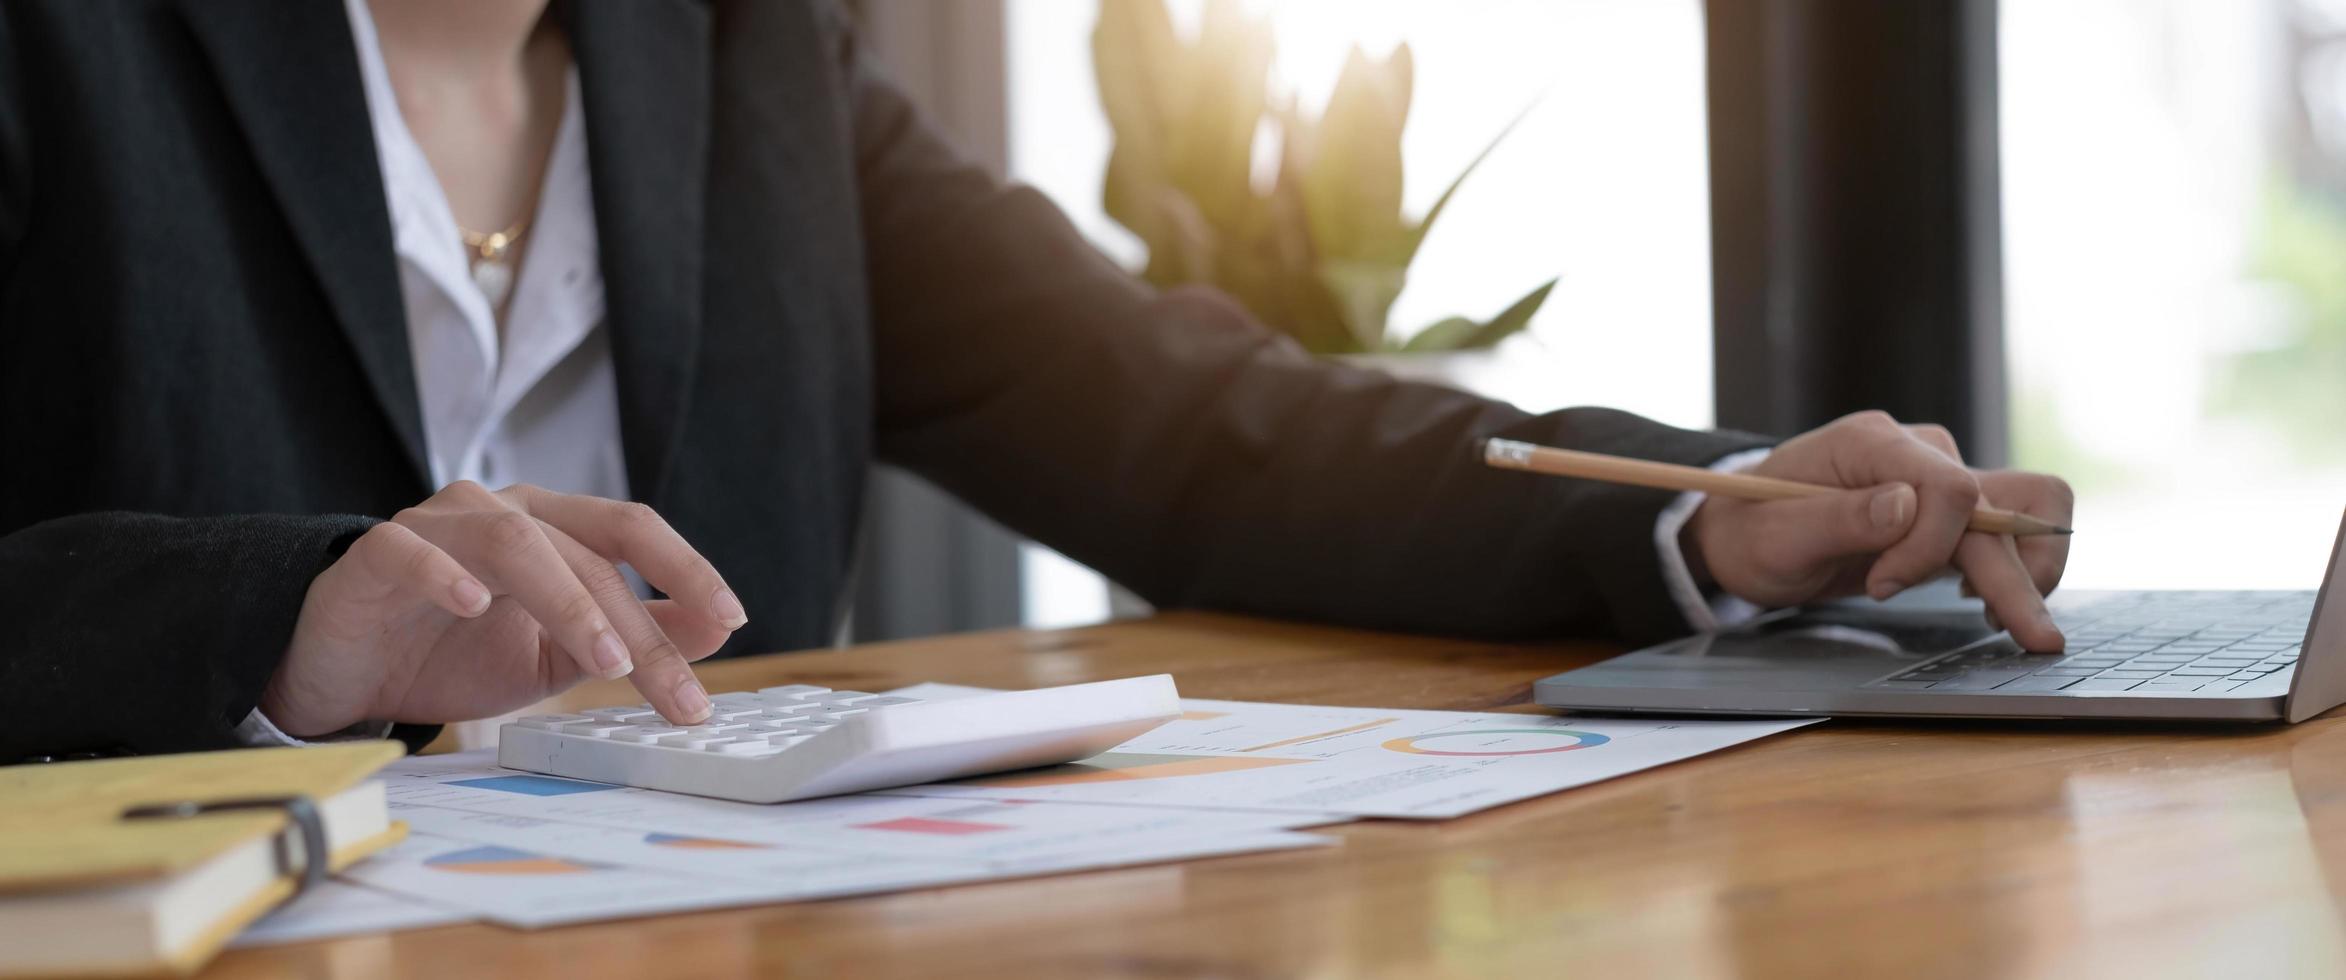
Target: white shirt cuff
[(257, 730), (1705, 614)]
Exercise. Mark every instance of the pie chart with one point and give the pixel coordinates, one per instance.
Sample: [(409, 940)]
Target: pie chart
[(1488, 742)]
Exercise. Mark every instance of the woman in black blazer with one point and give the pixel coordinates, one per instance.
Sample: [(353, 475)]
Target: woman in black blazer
[(233, 502)]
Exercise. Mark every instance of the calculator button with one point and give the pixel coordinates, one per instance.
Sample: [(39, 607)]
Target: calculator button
[(549, 723), (740, 746), (693, 740), (644, 734), (886, 702), (790, 709), (792, 691), (595, 728)]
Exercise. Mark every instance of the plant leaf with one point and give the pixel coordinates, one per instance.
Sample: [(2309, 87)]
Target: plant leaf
[(1460, 333), (1511, 320), (1364, 292), (1274, 267), (1222, 99), (1417, 235), (1193, 249), (1447, 334), (1136, 57), (1351, 160)]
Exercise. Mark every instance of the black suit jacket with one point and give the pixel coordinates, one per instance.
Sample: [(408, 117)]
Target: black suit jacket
[(206, 390)]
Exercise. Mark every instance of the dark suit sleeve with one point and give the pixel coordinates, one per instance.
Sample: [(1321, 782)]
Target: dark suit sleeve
[(134, 632), (1178, 447)]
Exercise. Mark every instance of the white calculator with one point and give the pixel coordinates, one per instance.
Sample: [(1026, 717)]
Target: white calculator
[(800, 741)]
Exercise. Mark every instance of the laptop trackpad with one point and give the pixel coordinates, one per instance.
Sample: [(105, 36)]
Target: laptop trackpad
[(1828, 648)]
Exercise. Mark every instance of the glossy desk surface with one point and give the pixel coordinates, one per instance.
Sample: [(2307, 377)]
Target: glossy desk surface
[(1846, 849)]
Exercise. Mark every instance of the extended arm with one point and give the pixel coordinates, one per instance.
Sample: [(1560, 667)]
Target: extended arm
[(1177, 446)]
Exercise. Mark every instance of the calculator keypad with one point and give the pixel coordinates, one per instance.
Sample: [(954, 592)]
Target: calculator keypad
[(740, 723)]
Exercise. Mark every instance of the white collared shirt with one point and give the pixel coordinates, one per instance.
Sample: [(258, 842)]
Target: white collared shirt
[(542, 406)]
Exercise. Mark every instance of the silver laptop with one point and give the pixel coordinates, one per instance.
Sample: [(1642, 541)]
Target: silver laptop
[(2185, 656)]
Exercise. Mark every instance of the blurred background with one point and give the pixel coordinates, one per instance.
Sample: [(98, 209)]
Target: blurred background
[(2103, 238)]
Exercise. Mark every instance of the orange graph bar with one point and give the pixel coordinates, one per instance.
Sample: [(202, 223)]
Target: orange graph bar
[(1118, 767), (1363, 726)]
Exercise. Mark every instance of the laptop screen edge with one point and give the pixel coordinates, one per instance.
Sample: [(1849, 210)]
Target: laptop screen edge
[(2320, 682)]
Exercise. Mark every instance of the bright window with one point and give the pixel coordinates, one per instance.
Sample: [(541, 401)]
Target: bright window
[(2174, 181), (1605, 183)]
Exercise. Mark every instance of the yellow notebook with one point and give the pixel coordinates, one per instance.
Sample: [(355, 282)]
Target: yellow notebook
[(85, 891)]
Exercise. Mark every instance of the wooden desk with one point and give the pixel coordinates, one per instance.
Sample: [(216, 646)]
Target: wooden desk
[(1847, 849)]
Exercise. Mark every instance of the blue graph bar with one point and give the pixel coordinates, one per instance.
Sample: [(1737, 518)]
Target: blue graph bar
[(532, 785)]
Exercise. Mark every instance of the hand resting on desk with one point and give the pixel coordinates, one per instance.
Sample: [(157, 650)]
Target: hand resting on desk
[(1902, 522), (477, 602)]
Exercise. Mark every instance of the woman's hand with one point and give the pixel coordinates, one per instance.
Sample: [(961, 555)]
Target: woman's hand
[(1901, 523), (474, 603)]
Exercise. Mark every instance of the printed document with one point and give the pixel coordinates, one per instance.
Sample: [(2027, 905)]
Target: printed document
[(1363, 762)]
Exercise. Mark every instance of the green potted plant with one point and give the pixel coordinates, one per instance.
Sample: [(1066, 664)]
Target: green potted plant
[(1321, 252)]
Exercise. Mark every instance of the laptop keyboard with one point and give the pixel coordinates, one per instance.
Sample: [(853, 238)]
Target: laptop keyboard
[(2153, 642)]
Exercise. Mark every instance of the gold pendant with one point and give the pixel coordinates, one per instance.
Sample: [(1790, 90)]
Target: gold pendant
[(491, 248)]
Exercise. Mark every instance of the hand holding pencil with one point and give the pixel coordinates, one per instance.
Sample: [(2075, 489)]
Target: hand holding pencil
[(1863, 505), (1508, 454)]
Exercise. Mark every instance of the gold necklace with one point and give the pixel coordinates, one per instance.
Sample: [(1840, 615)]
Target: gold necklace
[(492, 246), (492, 269)]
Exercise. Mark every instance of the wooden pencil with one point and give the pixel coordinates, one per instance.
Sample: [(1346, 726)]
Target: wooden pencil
[(1512, 455)]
